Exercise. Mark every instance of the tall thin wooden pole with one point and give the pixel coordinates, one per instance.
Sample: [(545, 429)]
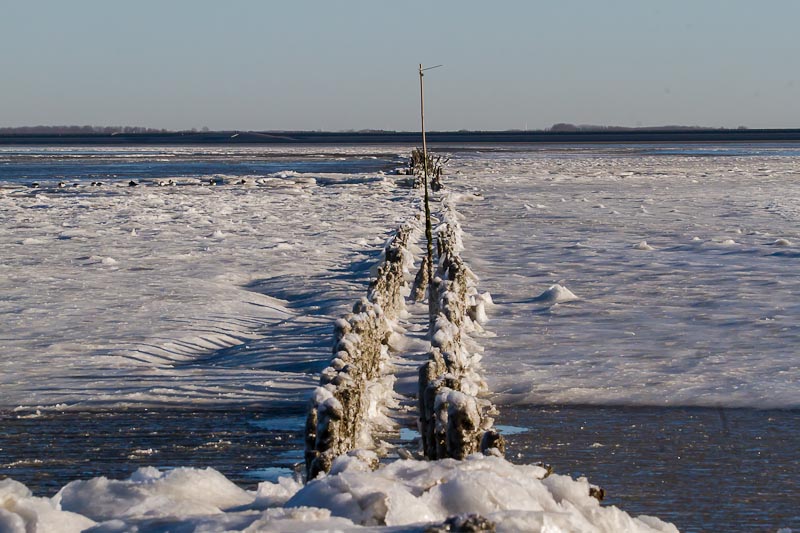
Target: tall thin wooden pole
[(428, 229), (422, 120)]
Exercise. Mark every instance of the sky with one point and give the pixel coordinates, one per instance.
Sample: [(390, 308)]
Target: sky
[(340, 65)]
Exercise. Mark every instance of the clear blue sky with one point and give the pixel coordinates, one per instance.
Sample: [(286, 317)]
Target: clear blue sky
[(338, 65)]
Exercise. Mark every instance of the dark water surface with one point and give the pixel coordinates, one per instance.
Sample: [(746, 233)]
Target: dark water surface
[(50, 164), (48, 451), (46, 165), (702, 469)]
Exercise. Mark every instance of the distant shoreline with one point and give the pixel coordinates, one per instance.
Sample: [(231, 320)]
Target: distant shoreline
[(441, 137)]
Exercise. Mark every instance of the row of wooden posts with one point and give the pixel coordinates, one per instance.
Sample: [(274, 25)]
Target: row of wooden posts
[(453, 420)]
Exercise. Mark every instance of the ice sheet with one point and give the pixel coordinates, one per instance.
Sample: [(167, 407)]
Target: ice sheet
[(705, 313), (147, 295), (182, 295)]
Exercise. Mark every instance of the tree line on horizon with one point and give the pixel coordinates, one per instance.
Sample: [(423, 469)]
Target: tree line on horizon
[(567, 127), (59, 130), (562, 127)]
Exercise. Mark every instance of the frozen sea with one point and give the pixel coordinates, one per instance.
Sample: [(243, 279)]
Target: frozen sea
[(183, 323)]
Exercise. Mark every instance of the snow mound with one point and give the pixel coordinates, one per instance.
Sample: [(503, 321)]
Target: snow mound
[(519, 497), (556, 294), (643, 246), (182, 492), (782, 242), (21, 512), (414, 495), (478, 306)]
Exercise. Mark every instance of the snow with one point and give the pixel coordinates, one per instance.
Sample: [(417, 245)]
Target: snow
[(556, 294), (181, 492), (21, 512), (709, 317), (118, 295), (409, 493), (194, 295)]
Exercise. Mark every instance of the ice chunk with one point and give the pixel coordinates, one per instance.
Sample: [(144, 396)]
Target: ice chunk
[(21, 512), (181, 492), (556, 294)]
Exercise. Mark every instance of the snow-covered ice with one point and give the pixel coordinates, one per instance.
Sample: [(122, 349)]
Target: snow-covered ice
[(193, 294), (709, 293), (114, 295), (118, 295), (556, 294)]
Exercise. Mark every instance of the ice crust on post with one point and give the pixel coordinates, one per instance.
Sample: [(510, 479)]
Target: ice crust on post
[(454, 421), (345, 406)]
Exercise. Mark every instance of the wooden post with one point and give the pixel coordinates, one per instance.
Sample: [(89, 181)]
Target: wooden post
[(428, 229)]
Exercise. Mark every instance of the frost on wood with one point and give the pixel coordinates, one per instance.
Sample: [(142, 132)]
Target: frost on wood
[(421, 281), (435, 166), (386, 289), (454, 421), (337, 420), (337, 414)]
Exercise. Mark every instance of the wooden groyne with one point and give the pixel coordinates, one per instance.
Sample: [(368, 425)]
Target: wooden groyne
[(340, 406), (454, 419)]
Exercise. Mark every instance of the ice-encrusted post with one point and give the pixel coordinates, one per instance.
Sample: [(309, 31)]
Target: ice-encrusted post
[(453, 420), (348, 391)]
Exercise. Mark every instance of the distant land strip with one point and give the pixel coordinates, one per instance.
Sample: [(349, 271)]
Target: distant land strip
[(404, 137)]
